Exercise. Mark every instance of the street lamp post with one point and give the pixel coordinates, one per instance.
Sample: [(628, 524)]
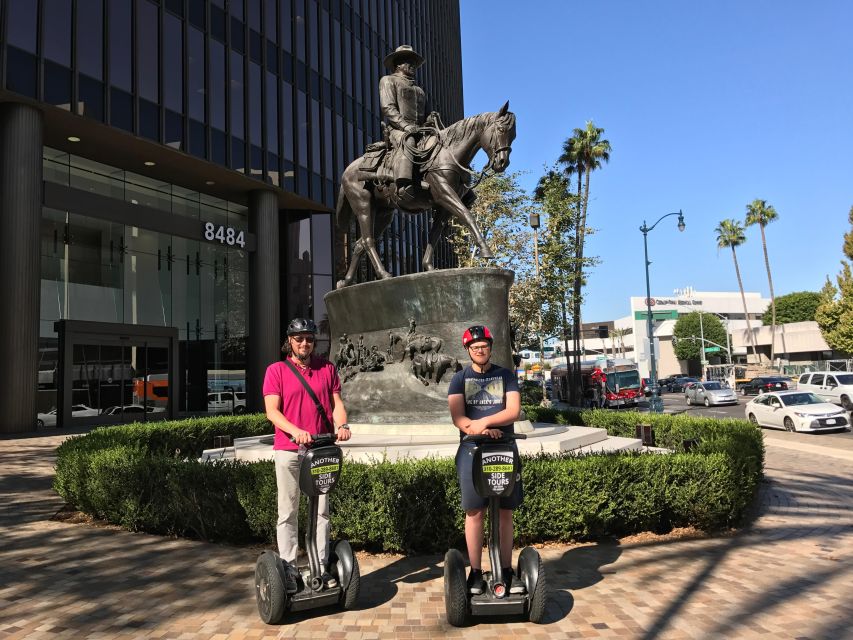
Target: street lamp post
[(655, 404), (534, 224)]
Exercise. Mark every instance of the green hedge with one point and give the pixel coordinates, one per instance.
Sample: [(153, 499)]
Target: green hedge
[(147, 478)]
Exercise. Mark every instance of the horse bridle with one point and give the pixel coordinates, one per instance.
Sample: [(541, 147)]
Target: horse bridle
[(436, 131)]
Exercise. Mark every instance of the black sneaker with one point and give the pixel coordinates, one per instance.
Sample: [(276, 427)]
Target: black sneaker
[(329, 581), (516, 586), (476, 584), (290, 585)]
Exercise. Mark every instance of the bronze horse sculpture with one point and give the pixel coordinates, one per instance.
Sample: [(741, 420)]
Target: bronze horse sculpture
[(446, 175)]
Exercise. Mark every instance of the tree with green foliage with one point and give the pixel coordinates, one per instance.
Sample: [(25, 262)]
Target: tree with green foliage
[(583, 153), (835, 313), (502, 212), (560, 263), (687, 335), (730, 234), (760, 213), (799, 306)]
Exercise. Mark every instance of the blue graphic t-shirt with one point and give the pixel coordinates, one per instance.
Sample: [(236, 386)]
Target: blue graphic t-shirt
[(485, 393)]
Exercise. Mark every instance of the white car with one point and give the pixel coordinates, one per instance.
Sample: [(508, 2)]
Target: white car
[(709, 393), (795, 411), (77, 411), (832, 386), (131, 409)]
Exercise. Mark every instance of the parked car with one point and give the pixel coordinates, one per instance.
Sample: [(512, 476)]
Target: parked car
[(679, 383), (130, 409), (795, 411), (709, 393), (77, 411), (764, 384), (831, 386), (225, 401)]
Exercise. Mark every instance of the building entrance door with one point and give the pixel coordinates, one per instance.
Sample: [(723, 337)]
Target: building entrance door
[(115, 373)]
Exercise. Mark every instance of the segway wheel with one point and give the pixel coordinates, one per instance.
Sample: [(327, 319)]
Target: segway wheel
[(269, 588), (344, 565), (349, 596), (539, 596), (455, 589)]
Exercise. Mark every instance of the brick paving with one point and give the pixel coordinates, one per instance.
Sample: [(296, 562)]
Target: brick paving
[(790, 575)]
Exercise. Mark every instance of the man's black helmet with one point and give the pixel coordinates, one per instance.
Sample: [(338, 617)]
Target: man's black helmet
[(301, 325)]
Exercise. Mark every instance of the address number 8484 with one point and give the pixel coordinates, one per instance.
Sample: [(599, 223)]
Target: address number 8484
[(224, 235)]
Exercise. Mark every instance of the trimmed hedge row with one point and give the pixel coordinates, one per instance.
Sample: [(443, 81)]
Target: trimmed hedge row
[(147, 478)]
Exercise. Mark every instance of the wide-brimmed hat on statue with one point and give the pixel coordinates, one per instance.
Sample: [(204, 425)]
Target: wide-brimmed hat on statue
[(403, 53)]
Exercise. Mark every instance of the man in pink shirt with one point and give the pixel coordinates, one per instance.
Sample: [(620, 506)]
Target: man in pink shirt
[(293, 412)]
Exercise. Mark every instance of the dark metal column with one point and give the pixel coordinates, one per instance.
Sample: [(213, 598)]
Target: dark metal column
[(264, 302), (20, 215)]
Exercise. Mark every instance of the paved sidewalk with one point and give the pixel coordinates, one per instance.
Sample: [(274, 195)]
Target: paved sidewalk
[(789, 576)]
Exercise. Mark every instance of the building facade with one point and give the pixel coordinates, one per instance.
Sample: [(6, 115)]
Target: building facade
[(168, 172)]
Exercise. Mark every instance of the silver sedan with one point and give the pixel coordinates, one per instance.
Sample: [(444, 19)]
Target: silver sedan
[(709, 393)]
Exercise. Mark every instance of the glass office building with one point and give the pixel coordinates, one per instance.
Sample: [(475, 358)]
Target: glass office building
[(168, 175)]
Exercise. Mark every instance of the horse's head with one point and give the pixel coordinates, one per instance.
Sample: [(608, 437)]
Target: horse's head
[(497, 138)]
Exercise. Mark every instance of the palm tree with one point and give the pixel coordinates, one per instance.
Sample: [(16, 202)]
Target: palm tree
[(730, 234), (582, 154), (760, 213)]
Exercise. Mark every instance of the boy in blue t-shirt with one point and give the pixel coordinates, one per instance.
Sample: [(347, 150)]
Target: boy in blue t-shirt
[(484, 400)]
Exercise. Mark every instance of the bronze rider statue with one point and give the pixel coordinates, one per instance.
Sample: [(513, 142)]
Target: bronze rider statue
[(404, 106)]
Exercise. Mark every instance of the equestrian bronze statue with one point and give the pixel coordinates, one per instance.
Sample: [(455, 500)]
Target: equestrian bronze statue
[(418, 165)]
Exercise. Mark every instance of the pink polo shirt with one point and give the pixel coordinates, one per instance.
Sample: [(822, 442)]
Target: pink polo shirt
[(296, 405)]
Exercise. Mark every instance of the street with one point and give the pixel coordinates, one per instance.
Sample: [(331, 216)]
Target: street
[(675, 403)]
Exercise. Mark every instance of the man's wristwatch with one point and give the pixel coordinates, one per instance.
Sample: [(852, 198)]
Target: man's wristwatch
[(344, 426)]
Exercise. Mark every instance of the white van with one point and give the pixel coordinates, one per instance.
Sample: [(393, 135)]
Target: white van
[(832, 386), (225, 401)]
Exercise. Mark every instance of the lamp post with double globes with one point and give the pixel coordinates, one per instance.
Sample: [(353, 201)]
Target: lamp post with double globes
[(655, 403)]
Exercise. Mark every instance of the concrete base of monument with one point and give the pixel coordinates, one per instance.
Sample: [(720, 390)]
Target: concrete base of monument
[(411, 441)]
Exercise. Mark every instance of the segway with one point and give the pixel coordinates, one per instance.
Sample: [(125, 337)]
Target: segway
[(495, 470), (318, 474)]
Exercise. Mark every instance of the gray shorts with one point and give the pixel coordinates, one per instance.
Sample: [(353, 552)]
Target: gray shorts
[(470, 498)]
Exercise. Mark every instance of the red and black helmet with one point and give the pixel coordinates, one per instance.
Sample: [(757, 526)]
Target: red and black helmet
[(475, 334)]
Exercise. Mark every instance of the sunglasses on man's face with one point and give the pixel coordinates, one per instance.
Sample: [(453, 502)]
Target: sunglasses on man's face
[(308, 339)]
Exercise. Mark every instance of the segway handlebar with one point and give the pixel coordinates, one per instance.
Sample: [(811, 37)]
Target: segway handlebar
[(506, 437), (318, 438)]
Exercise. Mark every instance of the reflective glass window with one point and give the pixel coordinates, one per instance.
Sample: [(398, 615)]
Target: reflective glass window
[(90, 98), (236, 9), (316, 134), (218, 20), (254, 11), (286, 20), (299, 26), (255, 104), (217, 84), (174, 134), (271, 113), (57, 85), (56, 39), (119, 43), (148, 37), (173, 63), (322, 246), (198, 139), (328, 141), (121, 109), (196, 94), (313, 33), (197, 11), (302, 126), (271, 20), (287, 120), (149, 120), (324, 43), (22, 24), (237, 121), (336, 51), (218, 146), (90, 38)]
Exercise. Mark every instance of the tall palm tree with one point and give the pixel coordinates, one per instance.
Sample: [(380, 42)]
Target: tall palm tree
[(730, 234), (760, 213), (583, 153)]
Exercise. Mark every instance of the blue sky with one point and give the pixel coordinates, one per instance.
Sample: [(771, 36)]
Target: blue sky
[(707, 105)]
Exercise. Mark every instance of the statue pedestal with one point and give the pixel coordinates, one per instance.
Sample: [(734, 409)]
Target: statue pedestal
[(441, 304)]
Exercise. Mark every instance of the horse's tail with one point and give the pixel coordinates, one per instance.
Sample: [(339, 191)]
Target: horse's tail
[(343, 210)]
